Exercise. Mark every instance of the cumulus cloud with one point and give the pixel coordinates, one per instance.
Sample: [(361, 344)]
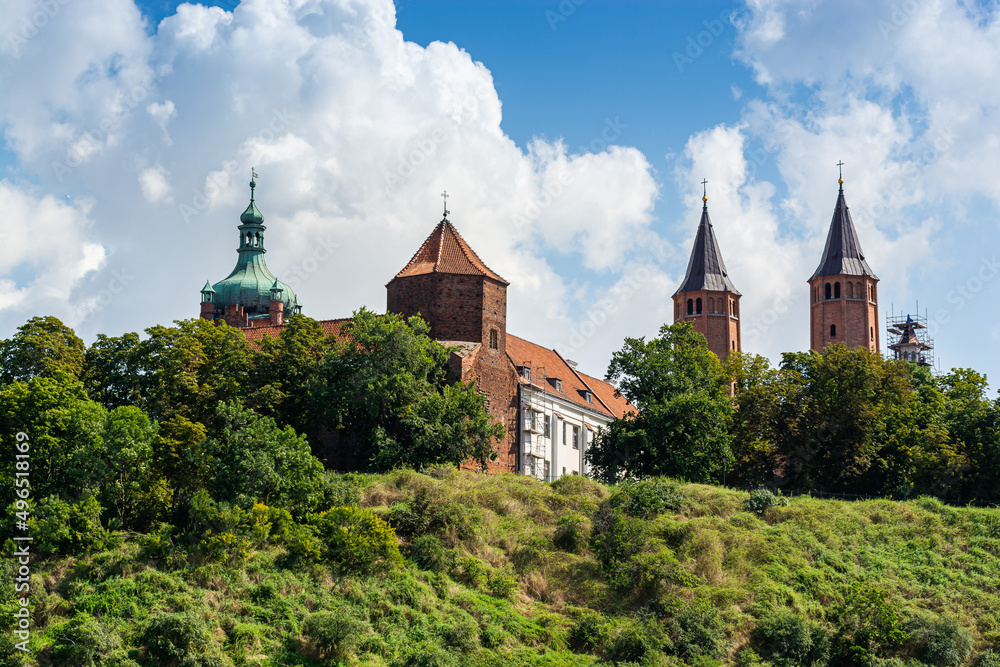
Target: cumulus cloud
[(353, 131)]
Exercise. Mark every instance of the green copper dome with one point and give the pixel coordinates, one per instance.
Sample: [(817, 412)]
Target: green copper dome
[(251, 283)]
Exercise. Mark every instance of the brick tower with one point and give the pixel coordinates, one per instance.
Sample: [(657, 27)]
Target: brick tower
[(843, 292), (465, 304), (707, 297)]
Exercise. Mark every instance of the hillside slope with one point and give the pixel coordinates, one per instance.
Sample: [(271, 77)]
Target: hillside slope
[(507, 571)]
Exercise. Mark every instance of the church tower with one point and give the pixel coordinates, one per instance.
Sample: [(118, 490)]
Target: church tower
[(843, 291), (707, 297), (250, 296)]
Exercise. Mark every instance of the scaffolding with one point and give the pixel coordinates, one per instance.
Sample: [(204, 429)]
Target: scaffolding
[(534, 446), (912, 340)]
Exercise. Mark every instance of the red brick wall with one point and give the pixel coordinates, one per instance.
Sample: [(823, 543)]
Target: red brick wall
[(720, 329), (855, 313)]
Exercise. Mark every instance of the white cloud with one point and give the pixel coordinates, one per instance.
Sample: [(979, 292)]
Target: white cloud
[(44, 253), (154, 183)]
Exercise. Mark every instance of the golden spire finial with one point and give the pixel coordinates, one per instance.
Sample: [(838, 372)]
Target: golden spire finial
[(840, 165), (704, 190)]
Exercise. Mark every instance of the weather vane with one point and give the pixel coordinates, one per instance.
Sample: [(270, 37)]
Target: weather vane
[(445, 196)]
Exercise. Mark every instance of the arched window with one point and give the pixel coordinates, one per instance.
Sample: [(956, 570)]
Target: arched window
[(697, 305), (833, 331), (871, 332), (734, 344), (690, 306), (836, 290), (828, 290)]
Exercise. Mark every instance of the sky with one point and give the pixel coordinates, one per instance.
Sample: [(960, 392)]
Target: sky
[(572, 137)]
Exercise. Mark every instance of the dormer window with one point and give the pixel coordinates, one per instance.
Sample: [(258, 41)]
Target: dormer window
[(556, 383), (526, 373)]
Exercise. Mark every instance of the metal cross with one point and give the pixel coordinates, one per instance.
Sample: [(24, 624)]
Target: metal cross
[(704, 188), (445, 195), (840, 165)]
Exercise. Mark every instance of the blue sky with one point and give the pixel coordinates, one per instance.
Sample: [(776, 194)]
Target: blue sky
[(572, 138)]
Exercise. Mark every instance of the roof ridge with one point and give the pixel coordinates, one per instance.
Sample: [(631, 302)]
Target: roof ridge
[(589, 388)]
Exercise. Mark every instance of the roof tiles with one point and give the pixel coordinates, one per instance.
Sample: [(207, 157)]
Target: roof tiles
[(842, 254), (445, 251)]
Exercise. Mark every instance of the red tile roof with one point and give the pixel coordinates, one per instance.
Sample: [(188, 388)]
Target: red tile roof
[(445, 251), (257, 334), (574, 384)]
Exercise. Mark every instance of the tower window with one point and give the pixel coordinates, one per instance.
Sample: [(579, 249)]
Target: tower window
[(871, 332), (690, 306), (494, 342), (836, 290), (734, 344), (833, 331), (697, 305), (828, 290), (677, 311)]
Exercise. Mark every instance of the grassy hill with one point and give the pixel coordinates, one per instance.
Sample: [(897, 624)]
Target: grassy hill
[(508, 571)]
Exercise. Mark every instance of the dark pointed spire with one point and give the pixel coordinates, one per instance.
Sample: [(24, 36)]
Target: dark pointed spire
[(842, 254), (706, 270)]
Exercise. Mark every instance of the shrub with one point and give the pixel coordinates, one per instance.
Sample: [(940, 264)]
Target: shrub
[(461, 632), (500, 584), (989, 659), (83, 641), (647, 498), (615, 537), (590, 633), (173, 638), (356, 540), (943, 642), (571, 532), (428, 553), (697, 630), (302, 544), (424, 515), (761, 499), (333, 634), (67, 529), (748, 658), (632, 644), (427, 654), (788, 640), (9, 655)]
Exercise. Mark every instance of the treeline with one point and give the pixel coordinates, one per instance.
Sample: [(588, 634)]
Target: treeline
[(840, 421), (131, 433)]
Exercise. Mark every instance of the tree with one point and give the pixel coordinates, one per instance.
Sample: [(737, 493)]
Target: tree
[(112, 370), (758, 395), (283, 368), (42, 347), (835, 426), (387, 384), (189, 369), (681, 428), (253, 460), (128, 445), (973, 423), (65, 431)]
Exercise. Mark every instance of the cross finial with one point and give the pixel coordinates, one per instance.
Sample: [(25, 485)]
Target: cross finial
[(840, 165), (253, 182), (704, 191), (446, 211)]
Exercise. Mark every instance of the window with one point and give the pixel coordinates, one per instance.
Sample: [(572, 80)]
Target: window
[(677, 311), (734, 344), (833, 331), (557, 383), (494, 343), (871, 332), (828, 290), (836, 290), (576, 437), (564, 433), (548, 426), (590, 397), (697, 304), (564, 470), (690, 307), (526, 373), (545, 471)]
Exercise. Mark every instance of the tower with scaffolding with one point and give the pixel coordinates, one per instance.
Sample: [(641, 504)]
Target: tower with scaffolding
[(912, 340)]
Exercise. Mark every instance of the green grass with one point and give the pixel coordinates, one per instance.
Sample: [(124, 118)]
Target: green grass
[(928, 560)]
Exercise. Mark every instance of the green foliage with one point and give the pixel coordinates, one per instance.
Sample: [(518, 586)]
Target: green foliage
[(112, 367), (42, 347), (355, 540), (428, 553), (761, 499), (9, 655), (334, 633), (427, 515), (83, 641), (942, 642), (788, 640), (681, 428), (175, 639), (61, 528), (696, 629), (571, 532), (128, 444), (647, 498), (989, 659), (868, 624), (253, 460), (500, 583), (387, 385)]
